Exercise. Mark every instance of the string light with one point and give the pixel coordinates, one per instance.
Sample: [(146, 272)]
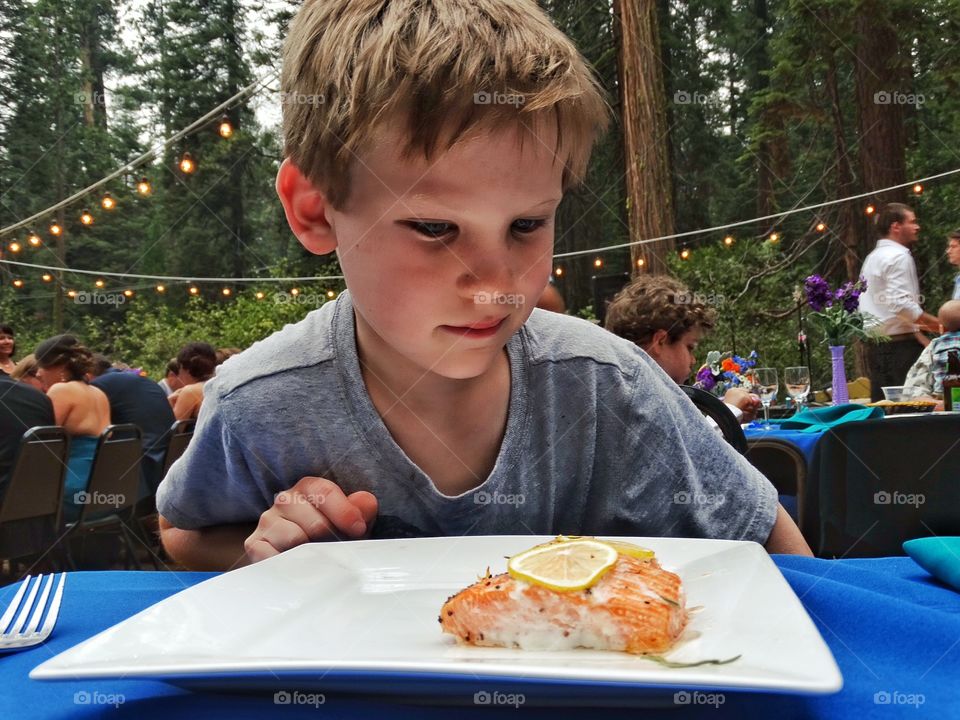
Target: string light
[(108, 203), (99, 283), (161, 288), (685, 254), (226, 292), (918, 189), (18, 283), (820, 227), (774, 237), (558, 272), (46, 277), (86, 218), (194, 290), (71, 293), (295, 291), (15, 247), (55, 229), (143, 187), (225, 128), (258, 295), (128, 293), (870, 210), (331, 294), (729, 241), (187, 165), (598, 263), (33, 239), (641, 262)]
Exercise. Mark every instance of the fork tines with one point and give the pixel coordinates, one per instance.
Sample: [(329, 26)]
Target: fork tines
[(21, 629)]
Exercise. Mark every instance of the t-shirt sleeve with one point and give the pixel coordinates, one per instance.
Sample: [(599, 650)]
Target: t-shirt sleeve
[(682, 478), (212, 483)]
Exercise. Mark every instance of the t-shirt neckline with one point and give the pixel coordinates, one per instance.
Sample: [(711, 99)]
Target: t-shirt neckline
[(375, 434)]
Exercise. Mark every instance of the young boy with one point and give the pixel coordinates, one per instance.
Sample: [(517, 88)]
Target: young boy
[(660, 315), (429, 143), (949, 317)]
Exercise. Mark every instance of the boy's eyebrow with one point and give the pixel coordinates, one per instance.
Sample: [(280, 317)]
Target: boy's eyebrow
[(433, 198)]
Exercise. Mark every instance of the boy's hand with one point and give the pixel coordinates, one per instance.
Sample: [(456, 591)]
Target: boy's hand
[(747, 402), (313, 509)]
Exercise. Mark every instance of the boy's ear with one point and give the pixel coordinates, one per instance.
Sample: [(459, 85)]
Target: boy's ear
[(306, 208), (660, 338)]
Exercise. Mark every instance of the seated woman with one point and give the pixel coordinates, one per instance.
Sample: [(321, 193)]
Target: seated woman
[(26, 372), (663, 317), (82, 410), (8, 346), (197, 363)]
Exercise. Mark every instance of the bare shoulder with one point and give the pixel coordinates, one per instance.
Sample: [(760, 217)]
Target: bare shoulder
[(193, 391)]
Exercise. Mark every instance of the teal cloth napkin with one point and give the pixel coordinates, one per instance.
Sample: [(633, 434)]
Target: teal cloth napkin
[(939, 556), (820, 419)]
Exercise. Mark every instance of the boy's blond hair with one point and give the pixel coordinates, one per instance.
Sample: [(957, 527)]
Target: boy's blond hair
[(438, 69), (949, 315)]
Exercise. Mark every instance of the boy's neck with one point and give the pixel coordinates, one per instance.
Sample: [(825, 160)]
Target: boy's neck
[(415, 387)]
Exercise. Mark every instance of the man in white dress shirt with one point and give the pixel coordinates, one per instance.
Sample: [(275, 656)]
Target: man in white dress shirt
[(893, 297)]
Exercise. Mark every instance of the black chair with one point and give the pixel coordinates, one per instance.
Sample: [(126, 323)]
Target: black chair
[(874, 484), (108, 505), (715, 409), (783, 465), (181, 433), (30, 509), (147, 519)]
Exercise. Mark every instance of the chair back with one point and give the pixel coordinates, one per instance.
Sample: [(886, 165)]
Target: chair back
[(31, 506), (716, 410), (115, 475), (181, 433), (36, 480), (784, 465), (874, 484)]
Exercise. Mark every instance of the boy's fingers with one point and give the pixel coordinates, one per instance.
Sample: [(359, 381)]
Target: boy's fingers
[(278, 532), (328, 498), (259, 549), (367, 504)]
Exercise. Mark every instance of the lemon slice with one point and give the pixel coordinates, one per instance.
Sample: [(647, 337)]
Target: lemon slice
[(625, 548), (621, 546), (564, 566)]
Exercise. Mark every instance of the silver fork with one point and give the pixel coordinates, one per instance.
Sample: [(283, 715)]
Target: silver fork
[(25, 630)]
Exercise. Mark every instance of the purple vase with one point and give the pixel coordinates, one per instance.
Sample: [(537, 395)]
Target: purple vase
[(840, 396)]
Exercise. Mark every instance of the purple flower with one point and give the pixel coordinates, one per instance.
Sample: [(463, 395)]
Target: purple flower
[(705, 378), (818, 292)]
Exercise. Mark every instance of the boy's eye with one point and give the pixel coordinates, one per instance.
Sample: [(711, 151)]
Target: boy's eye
[(528, 225), (432, 229)]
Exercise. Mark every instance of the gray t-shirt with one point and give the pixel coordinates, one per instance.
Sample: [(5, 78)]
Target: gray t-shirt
[(599, 441)]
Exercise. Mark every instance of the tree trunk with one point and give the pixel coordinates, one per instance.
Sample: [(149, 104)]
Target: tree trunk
[(849, 222), (882, 91), (645, 131), (757, 61)]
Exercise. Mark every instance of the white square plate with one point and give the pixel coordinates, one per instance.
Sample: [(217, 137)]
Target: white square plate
[(362, 617)]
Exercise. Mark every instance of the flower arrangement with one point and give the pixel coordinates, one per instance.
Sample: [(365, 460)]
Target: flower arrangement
[(723, 371), (836, 313)]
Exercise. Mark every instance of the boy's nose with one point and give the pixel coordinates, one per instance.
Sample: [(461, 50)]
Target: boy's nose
[(486, 274)]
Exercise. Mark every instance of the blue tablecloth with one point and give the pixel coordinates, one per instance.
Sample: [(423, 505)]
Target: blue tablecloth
[(804, 442), (894, 631)]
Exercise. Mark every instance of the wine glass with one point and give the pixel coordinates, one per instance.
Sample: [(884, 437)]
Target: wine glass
[(797, 381), (766, 384)]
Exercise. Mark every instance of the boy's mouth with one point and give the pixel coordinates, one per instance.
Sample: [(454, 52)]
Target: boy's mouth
[(478, 330)]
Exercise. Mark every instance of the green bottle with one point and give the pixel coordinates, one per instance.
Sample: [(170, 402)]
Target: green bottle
[(951, 382)]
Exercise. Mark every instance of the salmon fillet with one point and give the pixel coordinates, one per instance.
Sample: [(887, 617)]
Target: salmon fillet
[(636, 607)]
